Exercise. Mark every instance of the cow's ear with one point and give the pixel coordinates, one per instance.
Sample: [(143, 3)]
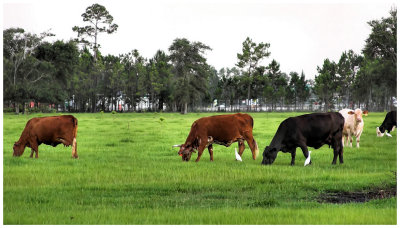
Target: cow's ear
[(351, 113), (365, 112)]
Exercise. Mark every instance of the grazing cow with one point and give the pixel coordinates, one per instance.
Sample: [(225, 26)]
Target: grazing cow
[(353, 125), (312, 130), (222, 130), (388, 124), (51, 130)]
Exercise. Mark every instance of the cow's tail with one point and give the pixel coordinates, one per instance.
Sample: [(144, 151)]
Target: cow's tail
[(75, 124), (256, 151)]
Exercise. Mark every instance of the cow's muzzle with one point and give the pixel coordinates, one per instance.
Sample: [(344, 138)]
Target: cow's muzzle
[(378, 132), (267, 161)]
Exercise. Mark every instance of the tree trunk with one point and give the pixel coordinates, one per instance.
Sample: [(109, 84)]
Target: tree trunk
[(184, 108), (16, 104), (248, 97), (160, 104)]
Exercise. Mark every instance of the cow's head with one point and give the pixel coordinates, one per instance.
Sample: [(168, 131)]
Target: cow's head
[(358, 114), (269, 155), (18, 149), (185, 151), (379, 131)]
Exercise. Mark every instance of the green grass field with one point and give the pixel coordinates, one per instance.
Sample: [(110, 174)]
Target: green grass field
[(128, 173)]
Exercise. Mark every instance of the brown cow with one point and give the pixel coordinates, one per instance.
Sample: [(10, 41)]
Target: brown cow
[(51, 130), (222, 130)]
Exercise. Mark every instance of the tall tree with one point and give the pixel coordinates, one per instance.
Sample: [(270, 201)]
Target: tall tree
[(64, 56), (347, 67), (276, 85), (191, 71), (99, 21), (164, 70), (326, 83), (21, 68), (248, 60), (112, 83), (134, 71), (304, 89), (380, 52), (82, 82), (294, 89)]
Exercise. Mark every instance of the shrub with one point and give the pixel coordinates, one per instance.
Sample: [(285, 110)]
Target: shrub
[(8, 109)]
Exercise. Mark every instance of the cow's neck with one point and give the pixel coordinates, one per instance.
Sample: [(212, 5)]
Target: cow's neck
[(356, 125), (23, 140)]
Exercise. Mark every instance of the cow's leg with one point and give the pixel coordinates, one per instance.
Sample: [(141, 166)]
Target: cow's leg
[(31, 153), (305, 151), (351, 140), (35, 147), (200, 150), (241, 147), (337, 150), (33, 144), (293, 152), (248, 136), (210, 150), (343, 140), (358, 138), (335, 155)]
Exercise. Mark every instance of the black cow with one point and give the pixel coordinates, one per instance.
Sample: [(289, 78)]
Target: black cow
[(313, 130), (388, 124)]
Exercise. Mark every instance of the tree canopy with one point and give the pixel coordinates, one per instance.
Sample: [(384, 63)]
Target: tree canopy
[(75, 78)]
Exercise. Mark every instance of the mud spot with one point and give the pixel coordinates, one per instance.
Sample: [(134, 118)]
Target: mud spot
[(357, 197)]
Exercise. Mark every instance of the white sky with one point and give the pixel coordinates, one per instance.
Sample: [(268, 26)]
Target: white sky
[(301, 34)]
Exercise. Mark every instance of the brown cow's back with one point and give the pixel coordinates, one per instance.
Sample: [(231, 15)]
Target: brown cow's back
[(224, 128), (48, 129)]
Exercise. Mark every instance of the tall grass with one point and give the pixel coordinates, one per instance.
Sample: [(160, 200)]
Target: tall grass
[(128, 173)]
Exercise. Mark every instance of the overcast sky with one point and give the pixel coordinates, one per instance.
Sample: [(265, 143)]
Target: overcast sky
[(301, 35)]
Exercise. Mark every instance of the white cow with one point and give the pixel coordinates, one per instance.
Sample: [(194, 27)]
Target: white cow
[(353, 125)]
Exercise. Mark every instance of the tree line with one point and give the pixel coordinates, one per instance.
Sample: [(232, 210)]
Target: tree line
[(76, 77)]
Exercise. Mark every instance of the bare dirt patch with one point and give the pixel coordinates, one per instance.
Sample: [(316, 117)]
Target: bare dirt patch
[(357, 197)]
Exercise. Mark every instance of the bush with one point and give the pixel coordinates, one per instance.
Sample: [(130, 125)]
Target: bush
[(41, 109), (8, 110)]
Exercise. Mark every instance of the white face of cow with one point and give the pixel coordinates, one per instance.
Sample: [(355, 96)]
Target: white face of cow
[(378, 132), (358, 114)]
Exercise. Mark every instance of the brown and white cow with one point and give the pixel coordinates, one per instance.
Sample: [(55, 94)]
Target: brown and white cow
[(222, 130), (51, 130), (353, 125)]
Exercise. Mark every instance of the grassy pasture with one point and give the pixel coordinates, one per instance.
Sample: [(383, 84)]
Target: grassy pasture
[(127, 173)]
